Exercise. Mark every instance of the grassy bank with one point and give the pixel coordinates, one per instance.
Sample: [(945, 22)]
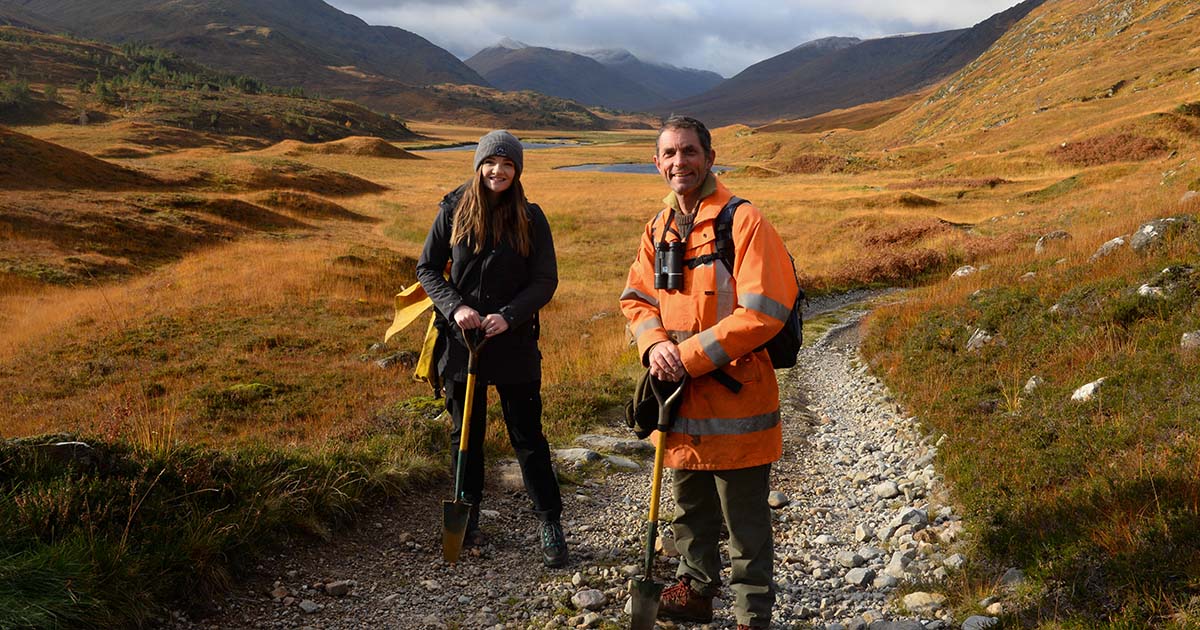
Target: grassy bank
[(1098, 501), (102, 537)]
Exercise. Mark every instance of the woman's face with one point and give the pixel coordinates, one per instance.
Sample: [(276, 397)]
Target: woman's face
[(498, 173)]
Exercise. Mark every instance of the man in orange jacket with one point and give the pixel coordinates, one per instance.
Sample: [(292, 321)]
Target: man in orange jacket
[(710, 324)]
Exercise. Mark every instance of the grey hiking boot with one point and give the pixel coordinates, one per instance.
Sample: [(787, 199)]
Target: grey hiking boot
[(554, 545)]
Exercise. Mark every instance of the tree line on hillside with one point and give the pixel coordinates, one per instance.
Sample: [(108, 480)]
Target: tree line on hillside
[(131, 67)]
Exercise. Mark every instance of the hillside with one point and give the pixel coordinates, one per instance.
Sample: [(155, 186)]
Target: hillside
[(305, 43), (560, 73), (1056, 77), (291, 52), (64, 80), (838, 73)]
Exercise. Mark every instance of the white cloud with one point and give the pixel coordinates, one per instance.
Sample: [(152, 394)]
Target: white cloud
[(709, 34)]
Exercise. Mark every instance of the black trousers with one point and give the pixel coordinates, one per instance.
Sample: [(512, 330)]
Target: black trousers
[(522, 406)]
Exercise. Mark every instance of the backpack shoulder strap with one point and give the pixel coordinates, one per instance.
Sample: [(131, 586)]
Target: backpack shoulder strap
[(724, 231)]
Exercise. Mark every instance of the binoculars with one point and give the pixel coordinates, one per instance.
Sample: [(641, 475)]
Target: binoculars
[(668, 265)]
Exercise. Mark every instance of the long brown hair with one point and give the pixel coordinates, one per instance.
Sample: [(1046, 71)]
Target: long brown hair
[(508, 218)]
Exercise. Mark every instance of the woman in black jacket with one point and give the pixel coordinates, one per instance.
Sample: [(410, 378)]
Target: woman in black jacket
[(502, 270)]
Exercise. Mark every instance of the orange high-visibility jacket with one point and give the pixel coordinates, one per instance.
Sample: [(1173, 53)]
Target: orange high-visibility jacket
[(718, 321)]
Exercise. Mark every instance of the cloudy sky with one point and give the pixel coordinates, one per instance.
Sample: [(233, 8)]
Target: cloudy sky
[(706, 34)]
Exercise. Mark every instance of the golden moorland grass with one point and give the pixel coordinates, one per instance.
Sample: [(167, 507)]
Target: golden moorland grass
[(845, 229)]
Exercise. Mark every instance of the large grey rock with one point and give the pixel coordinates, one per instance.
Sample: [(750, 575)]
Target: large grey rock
[(963, 271), (860, 577), (777, 500), (68, 452), (339, 588), (1108, 248), (978, 340), (614, 444), (884, 581), (1190, 341), (1087, 392), (897, 567), (1012, 577), (589, 599), (1153, 234), (915, 517), (902, 624), (482, 619), (850, 560), (1154, 292), (886, 490), (577, 455), (923, 603), (1057, 236), (622, 463), (979, 622)]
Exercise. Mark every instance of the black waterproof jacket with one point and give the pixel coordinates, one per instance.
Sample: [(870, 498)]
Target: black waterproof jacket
[(497, 280)]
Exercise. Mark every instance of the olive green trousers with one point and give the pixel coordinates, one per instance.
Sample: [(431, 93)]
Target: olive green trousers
[(705, 498)]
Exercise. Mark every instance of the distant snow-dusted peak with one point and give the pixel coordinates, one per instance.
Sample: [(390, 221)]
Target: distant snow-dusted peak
[(830, 43), (610, 56), (511, 44)]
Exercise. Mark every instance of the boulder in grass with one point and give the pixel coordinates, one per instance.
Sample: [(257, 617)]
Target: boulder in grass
[(580, 455), (979, 622), (1154, 233), (978, 340), (1108, 248), (1057, 236), (1190, 341), (1087, 392)]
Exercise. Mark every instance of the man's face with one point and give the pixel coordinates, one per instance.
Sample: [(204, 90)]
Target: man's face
[(682, 161)]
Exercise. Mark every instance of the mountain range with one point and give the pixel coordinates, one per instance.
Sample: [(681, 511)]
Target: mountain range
[(312, 45), (841, 72), (613, 78), (305, 43)]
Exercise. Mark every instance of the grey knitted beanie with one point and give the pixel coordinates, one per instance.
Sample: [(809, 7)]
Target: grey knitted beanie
[(501, 143)]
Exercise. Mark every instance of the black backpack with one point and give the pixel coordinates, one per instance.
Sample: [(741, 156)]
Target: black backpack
[(785, 345)]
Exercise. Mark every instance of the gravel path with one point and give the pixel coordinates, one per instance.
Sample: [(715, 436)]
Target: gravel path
[(863, 513)]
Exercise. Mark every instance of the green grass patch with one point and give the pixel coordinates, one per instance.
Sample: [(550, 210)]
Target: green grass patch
[(106, 540), (1054, 191), (1099, 502)]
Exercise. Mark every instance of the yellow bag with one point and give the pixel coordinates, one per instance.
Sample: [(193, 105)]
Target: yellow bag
[(426, 369), (411, 303)]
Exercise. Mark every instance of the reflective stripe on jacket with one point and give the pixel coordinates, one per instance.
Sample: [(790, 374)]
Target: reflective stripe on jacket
[(718, 321)]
